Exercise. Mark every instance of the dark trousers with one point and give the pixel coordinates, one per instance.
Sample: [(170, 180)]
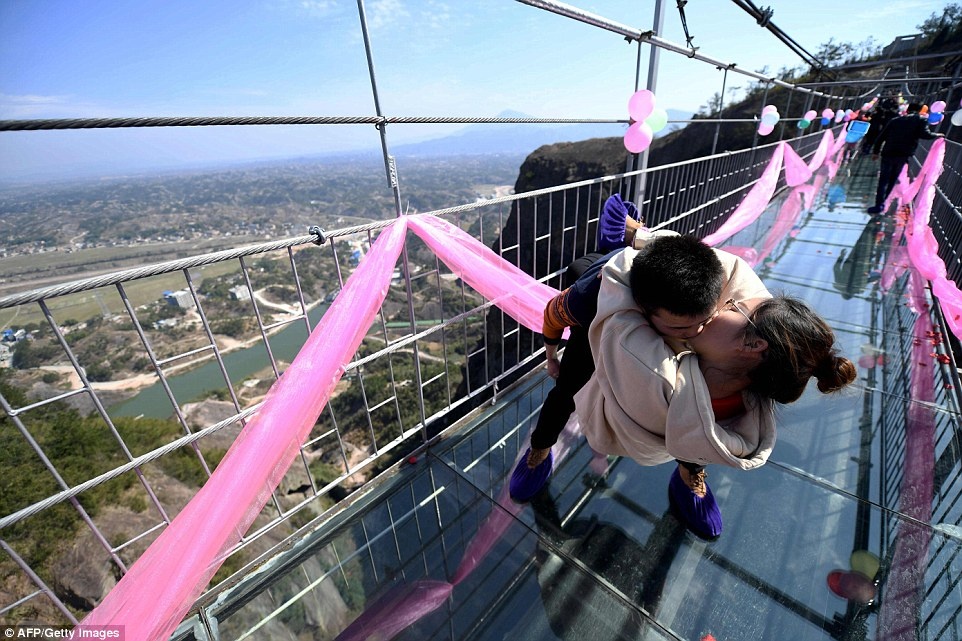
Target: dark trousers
[(888, 175), (577, 366)]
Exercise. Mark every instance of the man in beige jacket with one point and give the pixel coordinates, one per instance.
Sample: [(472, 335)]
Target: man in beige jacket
[(648, 400)]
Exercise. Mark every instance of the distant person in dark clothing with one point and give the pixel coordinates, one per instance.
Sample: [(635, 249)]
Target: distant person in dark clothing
[(880, 116), (898, 141)]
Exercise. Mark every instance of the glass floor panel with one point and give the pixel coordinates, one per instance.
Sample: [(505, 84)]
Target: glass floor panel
[(851, 531)]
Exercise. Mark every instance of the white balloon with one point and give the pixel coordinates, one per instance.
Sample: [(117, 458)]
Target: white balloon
[(770, 118), (957, 118)]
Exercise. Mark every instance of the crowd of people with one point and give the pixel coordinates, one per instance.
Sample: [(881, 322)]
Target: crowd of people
[(894, 133)]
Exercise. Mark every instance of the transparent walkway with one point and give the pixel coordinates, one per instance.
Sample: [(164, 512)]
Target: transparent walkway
[(599, 556)]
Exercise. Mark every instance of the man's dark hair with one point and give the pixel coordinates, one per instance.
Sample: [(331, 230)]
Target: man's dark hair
[(679, 274), (913, 108)]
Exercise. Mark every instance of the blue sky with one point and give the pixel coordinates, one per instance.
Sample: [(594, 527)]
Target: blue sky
[(113, 58)]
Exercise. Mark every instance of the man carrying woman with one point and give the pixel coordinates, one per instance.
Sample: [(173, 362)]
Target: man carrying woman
[(706, 399), (646, 394)]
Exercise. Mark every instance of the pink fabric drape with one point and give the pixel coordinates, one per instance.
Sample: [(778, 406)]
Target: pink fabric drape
[(904, 588), (153, 597), (520, 296), (754, 203), (922, 247), (785, 220), (822, 152), (796, 171)]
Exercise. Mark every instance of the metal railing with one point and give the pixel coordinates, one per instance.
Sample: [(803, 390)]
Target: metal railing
[(407, 383)]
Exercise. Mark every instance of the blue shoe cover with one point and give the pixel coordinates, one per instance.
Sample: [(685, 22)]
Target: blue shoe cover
[(525, 482), (700, 515), (611, 224)]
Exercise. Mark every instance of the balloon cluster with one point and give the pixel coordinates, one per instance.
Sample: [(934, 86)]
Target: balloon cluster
[(859, 583), (806, 120), (827, 115), (768, 120), (935, 112), (646, 121)]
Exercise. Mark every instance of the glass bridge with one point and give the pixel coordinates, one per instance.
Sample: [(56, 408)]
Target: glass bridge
[(387, 518), (597, 555)]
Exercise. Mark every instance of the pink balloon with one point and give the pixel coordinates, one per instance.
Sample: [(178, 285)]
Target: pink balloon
[(640, 105), (809, 115), (828, 113), (851, 585), (765, 129), (769, 108), (867, 362), (937, 107), (638, 137)]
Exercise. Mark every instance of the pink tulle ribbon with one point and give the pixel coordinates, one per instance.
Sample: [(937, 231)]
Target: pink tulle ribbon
[(899, 611), (153, 597)]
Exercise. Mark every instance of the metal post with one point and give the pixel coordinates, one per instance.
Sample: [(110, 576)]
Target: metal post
[(391, 169), (788, 105), (768, 86), (721, 104), (808, 105), (948, 98), (641, 162)]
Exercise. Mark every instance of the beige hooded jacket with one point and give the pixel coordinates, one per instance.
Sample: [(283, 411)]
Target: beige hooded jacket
[(650, 404)]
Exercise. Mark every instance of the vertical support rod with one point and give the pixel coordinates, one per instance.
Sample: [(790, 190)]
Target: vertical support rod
[(657, 25), (391, 169), (721, 105), (768, 85)]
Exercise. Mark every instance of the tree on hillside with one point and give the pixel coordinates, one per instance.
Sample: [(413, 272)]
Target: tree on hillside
[(942, 24), (833, 53)]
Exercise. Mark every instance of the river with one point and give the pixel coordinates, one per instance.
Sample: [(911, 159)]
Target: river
[(197, 383)]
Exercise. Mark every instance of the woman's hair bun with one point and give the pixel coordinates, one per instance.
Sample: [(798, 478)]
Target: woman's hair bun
[(834, 373)]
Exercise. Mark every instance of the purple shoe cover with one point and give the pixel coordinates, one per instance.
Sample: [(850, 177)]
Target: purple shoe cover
[(525, 482), (611, 224), (700, 515)]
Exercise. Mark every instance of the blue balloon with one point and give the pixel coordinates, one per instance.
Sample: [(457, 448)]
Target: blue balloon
[(935, 119)]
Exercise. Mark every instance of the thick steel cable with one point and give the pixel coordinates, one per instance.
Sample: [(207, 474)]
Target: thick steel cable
[(766, 23), (211, 121), (633, 33), (113, 278)]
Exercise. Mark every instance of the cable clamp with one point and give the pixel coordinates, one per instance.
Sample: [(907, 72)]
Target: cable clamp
[(316, 231)]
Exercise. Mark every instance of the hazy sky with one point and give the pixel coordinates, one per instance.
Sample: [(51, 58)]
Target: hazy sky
[(111, 58)]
